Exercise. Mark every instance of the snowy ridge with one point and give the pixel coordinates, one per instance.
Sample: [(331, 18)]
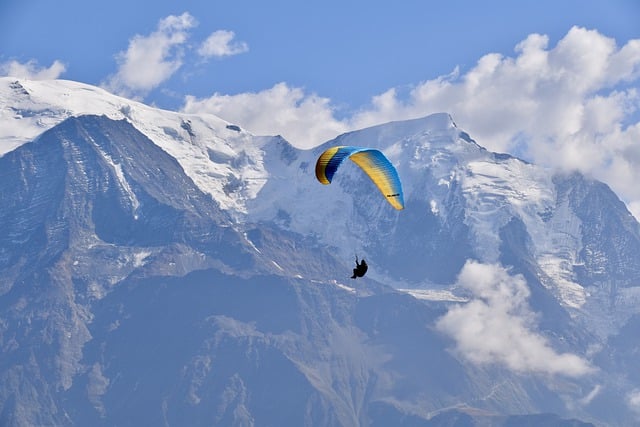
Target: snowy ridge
[(331, 213), (497, 191), (212, 152), (265, 179)]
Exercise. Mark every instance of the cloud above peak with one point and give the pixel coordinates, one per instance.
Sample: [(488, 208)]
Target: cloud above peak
[(150, 60), (32, 70), (543, 94), (282, 109)]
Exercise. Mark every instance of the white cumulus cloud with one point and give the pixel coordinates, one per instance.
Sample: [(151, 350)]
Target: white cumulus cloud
[(498, 327), (150, 60), (221, 43), (304, 120), (32, 70)]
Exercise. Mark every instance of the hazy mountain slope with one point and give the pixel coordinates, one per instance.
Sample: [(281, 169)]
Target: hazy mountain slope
[(159, 268)]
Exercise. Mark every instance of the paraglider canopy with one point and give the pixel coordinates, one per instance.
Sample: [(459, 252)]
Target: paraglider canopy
[(373, 162)]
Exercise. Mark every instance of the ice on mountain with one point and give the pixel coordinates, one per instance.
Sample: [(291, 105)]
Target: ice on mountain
[(257, 210)]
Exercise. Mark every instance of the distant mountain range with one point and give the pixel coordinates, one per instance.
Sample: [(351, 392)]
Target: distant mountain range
[(159, 268)]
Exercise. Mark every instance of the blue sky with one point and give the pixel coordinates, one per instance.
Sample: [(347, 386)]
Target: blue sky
[(347, 51), (555, 82)]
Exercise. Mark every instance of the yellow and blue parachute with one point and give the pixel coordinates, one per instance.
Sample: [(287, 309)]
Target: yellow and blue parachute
[(371, 161)]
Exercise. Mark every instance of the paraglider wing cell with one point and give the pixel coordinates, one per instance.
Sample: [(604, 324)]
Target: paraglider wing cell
[(373, 162)]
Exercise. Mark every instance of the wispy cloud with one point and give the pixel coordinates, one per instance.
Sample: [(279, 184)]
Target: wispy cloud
[(572, 106), (633, 401), (221, 43), (151, 60), (498, 327), (32, 70)]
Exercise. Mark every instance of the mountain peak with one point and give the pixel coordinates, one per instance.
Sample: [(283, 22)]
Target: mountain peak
[(188, 265)]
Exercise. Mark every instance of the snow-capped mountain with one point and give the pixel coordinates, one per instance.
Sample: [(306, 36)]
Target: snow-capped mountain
[(165, 268)]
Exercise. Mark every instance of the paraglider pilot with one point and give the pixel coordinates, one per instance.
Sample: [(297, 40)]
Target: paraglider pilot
[(361, 268)]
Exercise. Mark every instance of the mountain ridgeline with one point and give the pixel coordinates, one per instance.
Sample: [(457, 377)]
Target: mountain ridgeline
[(166, 269)]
